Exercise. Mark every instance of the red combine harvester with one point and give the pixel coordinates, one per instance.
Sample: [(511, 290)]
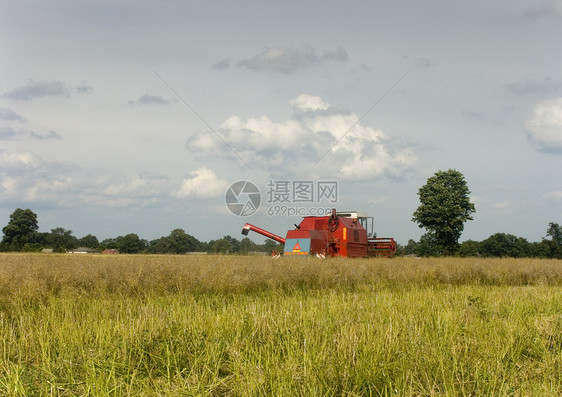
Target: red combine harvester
[(340, 234)]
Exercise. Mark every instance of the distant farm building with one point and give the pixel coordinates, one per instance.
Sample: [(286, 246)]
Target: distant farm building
[(110, 251), (83, 250)]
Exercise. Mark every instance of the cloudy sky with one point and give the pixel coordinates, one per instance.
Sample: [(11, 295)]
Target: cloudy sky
[(136, 116)]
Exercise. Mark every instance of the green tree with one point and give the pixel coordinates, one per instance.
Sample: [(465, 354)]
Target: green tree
[(159, 246), (505, 245), (130, 244), (38, 241), (541, 249), (222, 246), (20, 229), (428, 245), (469, 248), (247, 245), (270, 245), (554, 231), (410, 247), (444, 208), (110, 243), (234, 242), (61, 239), (89, 241), (179, 242)]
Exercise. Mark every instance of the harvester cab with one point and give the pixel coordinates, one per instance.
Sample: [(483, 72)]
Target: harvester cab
[(368, 222), (346, 234)]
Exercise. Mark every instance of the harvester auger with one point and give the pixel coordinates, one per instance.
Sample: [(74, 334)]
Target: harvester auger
[(339, 234)]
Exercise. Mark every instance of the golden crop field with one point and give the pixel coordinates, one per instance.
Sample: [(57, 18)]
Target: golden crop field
[(142, 325)]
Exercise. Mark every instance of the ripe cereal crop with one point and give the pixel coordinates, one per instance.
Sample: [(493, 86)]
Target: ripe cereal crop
[(74, 325)]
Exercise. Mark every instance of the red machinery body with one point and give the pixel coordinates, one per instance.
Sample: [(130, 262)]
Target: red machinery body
[(340, 234)]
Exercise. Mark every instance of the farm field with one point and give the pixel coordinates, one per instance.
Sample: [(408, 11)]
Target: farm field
[(148, 325)]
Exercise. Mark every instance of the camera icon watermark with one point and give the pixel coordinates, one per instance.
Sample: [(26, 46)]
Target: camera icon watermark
[(243, 198)]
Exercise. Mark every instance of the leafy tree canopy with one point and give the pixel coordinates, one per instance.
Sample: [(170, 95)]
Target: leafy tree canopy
[(62, 239), (247, 245), (179, 242), (89, 241), (444, 208), (222, 246), (505, 245), (159, 246), (20, 229), (554, 231), (469, 248), (130, 244), (428, 245), (554, 244)]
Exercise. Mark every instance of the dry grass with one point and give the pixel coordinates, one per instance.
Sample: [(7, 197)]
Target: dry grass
[(73, 325), (141, 274)]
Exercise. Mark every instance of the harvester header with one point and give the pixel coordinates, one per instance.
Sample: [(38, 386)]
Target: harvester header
[(339, 234)]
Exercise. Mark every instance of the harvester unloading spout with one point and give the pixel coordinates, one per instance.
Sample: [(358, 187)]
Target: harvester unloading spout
[(247, 227)]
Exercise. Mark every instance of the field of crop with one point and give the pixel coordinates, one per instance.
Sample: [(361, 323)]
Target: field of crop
[(73, 325)]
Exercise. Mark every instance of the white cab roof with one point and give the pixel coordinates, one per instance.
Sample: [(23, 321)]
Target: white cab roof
[(352, 214)]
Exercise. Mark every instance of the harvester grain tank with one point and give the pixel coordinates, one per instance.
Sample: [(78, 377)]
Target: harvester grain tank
[(339, 234)]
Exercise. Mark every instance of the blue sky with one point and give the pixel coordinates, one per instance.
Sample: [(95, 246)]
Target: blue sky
[(135, 117)]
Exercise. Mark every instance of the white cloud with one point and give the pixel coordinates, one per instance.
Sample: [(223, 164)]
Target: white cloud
[(9, 185), (503, 205), (19, 160), (262, 133), (117, 191), (545, 125), (378, 201), (478, 201), (557, 195), (202, 183), (48, 190), (205, 142), (26, 178), (317, 140), (135, 186), (305, 102), (506, 208), (113, 202)]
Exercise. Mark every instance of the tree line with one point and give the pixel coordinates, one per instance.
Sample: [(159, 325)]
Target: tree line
[(444, 208), (500, 245), (21, 234)]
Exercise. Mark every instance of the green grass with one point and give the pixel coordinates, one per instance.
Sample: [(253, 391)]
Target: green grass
[(244, 326)]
